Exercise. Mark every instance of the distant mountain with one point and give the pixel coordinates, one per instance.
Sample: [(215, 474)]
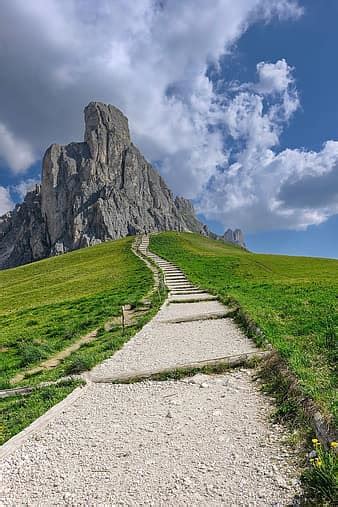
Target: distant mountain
[(235, 237), (93, 191)]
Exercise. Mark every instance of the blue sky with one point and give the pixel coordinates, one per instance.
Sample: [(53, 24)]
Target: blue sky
[(308, 44), (237, 108)]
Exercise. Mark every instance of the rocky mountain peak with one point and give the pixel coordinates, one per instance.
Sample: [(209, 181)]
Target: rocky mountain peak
[(184, 205), (96, 190), (106, 130)]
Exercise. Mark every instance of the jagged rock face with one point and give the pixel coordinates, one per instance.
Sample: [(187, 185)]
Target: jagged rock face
[(187, 212), (93, 191), (23, 234), (235, 236)]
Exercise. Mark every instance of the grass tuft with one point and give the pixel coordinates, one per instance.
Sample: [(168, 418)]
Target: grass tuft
[(321, 477)]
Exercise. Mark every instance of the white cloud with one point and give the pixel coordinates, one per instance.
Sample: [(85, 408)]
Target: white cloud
[(150, 59), (24, 186), (283, 9), (291, 190), (263, 189), (6, 203), (274, 77), (147, 57), (16, 153)]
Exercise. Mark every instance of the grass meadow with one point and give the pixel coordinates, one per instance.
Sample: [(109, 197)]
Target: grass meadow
[(47, 305), (293, 300)]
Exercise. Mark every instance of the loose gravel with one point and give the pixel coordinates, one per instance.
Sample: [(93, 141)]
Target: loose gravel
[(186, 310), (202, 441), (159, 346)]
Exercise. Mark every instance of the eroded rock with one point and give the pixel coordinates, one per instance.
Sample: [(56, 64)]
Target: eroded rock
[(93, 191)]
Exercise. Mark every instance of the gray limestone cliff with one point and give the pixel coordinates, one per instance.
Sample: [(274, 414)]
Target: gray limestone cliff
[(93, 191), (235, 237)]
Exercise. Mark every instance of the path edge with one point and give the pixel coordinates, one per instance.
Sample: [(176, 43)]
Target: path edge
[(41, 422)]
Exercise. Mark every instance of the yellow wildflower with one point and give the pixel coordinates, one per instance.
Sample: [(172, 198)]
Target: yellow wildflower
[(334, 444), (319, 463), (314, 441)]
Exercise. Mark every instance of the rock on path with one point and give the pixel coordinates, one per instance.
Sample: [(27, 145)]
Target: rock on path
[(200, 441)]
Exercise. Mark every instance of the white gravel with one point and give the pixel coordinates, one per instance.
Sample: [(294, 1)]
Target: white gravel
[(190, 297), (157, 443), (179, 310), (201, 441), (160, 345)]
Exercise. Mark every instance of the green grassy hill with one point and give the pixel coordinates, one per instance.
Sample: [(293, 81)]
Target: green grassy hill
[(47, 305), (292, 299)]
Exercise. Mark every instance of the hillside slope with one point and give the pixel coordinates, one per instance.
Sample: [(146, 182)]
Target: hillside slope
[(292, 299), (47, 305)]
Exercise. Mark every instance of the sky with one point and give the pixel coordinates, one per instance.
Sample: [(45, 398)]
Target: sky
[(235, 103)]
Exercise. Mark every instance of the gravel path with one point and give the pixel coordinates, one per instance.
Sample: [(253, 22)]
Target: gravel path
[(178, 310), (161, 345), (166, 345), (157, 443), (201, 441)]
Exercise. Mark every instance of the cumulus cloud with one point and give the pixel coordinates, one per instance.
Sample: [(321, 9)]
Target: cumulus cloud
[(15, 152), (262, 188), (147, 57), (6, 202), (273, 77), (214, 143)]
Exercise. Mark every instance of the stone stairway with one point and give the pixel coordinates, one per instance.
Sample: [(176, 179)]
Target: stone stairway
[(180, 289), (191, 327)]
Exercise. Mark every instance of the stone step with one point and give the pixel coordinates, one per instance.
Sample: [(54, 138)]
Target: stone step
[(182, 298), (183, 290), (179, 284), (197, 317), (187, 290), (176, 280), (231, 361), (188, 295), (176, 276), (191, 309), (172, 272), (186, 286)]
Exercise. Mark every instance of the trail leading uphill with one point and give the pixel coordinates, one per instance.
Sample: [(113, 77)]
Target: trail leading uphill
[(202, 440)]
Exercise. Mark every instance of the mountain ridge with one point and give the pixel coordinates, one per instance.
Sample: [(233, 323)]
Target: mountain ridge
[(92, 191)]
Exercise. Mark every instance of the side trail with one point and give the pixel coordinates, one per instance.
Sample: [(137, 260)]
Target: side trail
[(202, 440)]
